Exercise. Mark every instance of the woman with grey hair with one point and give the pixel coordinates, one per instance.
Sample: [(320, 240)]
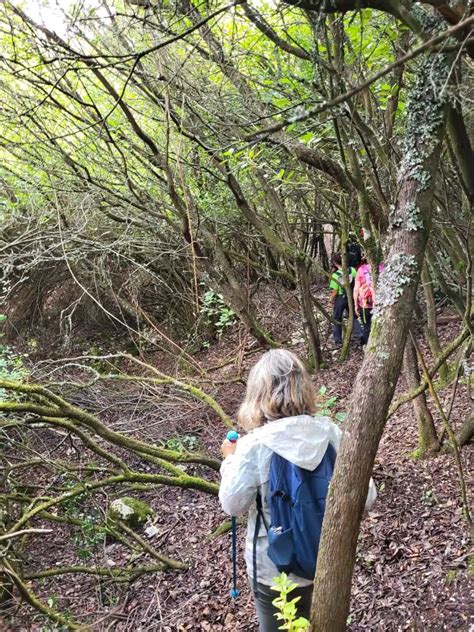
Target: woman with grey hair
[(278, 413)]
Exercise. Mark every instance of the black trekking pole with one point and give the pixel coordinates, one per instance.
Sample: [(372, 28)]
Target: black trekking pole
[(232, 436)]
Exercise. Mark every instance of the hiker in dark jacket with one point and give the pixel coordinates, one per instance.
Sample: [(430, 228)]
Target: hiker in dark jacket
[(278, 411), (340, 300), (354, 252)]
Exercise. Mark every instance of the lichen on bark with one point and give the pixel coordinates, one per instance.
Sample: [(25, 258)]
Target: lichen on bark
[(399, 272), (426, 114)]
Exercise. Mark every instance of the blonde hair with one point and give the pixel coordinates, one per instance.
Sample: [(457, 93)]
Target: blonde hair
[(278, 386)]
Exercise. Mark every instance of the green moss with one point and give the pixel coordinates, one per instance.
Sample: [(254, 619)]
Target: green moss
[(451, 576), (470, 566), (450, 375), (416, 454), (375, 331), (131, 511)]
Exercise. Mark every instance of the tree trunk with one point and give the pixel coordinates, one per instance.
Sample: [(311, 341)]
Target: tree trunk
[(310, 323), (236, 296), (466, 432), (427, 436), (320, 247), (377, 378), (462, 149), (455, 298), (431, 325), (348, 290)]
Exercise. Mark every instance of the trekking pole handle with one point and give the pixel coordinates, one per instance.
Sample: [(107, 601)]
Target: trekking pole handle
[(232, 436)]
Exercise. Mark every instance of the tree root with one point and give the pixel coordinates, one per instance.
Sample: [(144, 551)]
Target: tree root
[(123, 574), (30, 597)]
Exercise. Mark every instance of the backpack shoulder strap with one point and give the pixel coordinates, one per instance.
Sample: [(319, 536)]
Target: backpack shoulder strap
[(259, 519), (260, 510)]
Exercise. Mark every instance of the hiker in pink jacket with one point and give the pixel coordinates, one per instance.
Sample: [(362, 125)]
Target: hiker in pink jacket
[(364, 298)]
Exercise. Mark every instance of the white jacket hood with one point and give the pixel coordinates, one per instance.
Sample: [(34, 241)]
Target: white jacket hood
[(302, 440)]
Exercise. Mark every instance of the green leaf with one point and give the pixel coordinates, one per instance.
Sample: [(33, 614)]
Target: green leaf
[(307, 138)]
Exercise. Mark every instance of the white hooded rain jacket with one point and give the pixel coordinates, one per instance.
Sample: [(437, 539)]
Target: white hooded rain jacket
[(302, 440)]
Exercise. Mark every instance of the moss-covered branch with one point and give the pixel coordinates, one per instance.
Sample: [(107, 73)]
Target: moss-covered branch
[(224, 527), (30, 597), (162, 378), (59, 408), (184, 480)]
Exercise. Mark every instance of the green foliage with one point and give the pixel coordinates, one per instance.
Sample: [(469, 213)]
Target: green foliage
[(325, 406), (90, 535), (182, 443), (101, 366), (90, 532), (217, 314), (428, 498), (287, 607), (11, 365)]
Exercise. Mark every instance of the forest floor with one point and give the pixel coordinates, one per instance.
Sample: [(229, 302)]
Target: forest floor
[(412, 570)]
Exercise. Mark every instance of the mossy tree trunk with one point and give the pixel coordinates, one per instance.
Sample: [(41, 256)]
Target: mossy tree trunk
[(427, 435), (466, 432), (378, 375)]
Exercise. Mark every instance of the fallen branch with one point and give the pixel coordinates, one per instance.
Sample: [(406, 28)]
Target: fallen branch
[(16, 534), (30, 597), (117, 574), (224, 527), (167, 561), (59, 408), (160, 380), (185, 481), (440, 360)]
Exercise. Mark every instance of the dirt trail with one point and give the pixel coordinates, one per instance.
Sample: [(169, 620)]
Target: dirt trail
[(412, 562)]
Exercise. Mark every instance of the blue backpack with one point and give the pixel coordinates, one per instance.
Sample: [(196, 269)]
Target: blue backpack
[(297, 500)]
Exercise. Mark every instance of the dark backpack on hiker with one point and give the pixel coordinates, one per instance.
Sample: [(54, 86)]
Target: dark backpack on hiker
[(297, 500)]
